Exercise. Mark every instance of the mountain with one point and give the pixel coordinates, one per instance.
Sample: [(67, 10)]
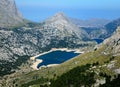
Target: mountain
[(110, 28), (101, 67), (90, 23), (93, 32), (60, 22), (9, 14), (32, 39), (113, 43), (104, 31), (18, 44), (94, 27)]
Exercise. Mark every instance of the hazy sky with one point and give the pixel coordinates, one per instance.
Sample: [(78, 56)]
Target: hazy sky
[(38, 10)]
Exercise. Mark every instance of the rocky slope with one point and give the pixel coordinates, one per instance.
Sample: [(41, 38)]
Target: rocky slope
[(101, 66), (33, 38), (94, 27), (104, 31), (61, 23), (113, 43), (94, 32), (9, 14), (110, 28)]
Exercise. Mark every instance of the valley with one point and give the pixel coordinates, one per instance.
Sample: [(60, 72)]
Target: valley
[(58, 52)]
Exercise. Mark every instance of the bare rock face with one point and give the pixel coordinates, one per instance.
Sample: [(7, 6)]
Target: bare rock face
[(9, 14), (113, 43), (110, 28), (62, 24)]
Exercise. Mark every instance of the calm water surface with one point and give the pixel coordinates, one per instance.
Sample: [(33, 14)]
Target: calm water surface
[(56, 57)]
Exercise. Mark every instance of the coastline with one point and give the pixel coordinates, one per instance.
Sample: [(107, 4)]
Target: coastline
[(35, 61)]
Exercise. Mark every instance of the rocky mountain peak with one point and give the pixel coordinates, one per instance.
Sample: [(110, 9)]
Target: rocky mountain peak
[(58, 18), (61, 23), (59, 15), (9, 14)]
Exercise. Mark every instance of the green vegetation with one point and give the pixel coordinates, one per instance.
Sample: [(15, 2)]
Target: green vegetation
[(9, 67), (36, 81), (114, 83), (77, 77)]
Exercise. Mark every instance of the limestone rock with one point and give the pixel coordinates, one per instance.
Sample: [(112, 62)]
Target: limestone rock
[(9, 14)]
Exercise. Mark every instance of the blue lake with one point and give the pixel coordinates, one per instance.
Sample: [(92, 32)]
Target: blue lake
[(56, 57), (98, 40)]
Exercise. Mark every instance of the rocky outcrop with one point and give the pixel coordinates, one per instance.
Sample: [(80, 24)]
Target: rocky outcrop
[(113, 43), (9, 14)]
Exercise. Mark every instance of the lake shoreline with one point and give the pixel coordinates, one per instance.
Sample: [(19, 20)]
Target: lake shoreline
[(38, 61)]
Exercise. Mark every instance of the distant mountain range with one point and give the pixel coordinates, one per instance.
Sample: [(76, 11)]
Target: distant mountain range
[(104, 31), (110, 28), (90, 22)]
